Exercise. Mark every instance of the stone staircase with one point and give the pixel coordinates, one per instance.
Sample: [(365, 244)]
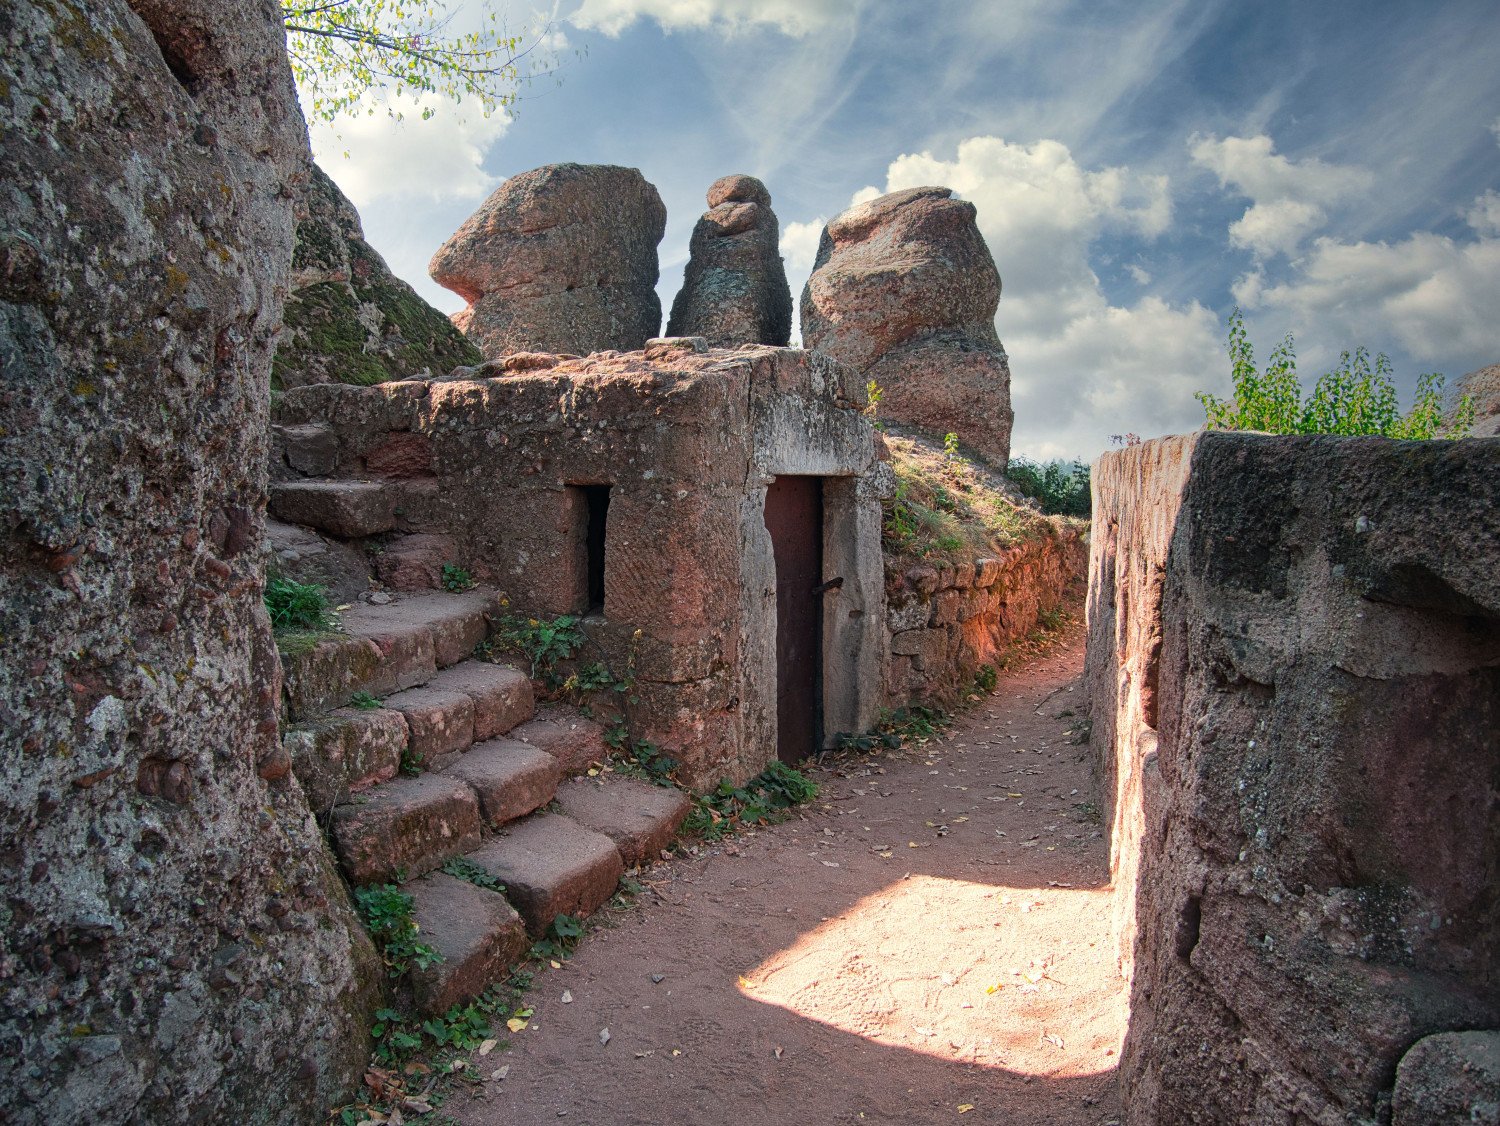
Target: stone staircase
[(456, 760)]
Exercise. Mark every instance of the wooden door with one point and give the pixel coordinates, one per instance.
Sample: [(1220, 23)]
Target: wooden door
[(794, 517)]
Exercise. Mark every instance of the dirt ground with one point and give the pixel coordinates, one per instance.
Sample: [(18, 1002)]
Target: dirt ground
[(927, 942)]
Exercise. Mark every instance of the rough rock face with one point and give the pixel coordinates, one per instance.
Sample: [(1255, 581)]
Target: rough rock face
[(349, 319), (174, 944), (735, 291), (1453, 1077), (904, 290), (1484, 386), (559, 259), (1307, 633)]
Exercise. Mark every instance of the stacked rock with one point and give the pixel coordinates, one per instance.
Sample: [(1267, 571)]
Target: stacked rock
[(904, 289), (735, 290), (559, 259)]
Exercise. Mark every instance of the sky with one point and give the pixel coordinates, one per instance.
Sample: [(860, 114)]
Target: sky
[(1140, 168)]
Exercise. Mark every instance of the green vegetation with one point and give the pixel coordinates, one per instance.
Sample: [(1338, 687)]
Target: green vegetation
[(340, 49), (1354, 398), (462, 868), (364, 701), (763, 800), (456, 579), (945, 505), (297, 606), (543, 643), (563, 934), (1061, 487), (387, 914)]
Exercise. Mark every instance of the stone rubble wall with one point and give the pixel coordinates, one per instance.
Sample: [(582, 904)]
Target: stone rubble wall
[(1295, 673), (946, 621), (175, 945), (688, 439)]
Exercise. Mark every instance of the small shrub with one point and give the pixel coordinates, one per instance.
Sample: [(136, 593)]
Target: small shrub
[(1353, 398), (985, 679), (544, 643), (297, 606), (456, 579), (387, 914), (1060, 487), (364, 701), (563, 933)]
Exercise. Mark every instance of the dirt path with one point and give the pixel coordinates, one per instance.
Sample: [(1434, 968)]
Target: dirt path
[(931, 935)]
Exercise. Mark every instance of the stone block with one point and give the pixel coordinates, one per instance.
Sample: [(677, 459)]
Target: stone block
[(945, 607), (441, 723), (640, 818), (351, 749), (575, 742), (324, 676), (550, 865), (511, 778), (310, 449), (342, 508), (902, 616), (415, 562), (1449, 1078), (408, 824), (502, 696), (479, 935)]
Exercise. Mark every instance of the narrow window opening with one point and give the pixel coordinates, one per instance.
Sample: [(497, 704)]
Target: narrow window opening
[(596, 499)]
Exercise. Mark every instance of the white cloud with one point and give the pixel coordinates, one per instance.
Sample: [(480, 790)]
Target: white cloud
[(799, 245), (1081, 367), (1484, 216), (1432, 295), (1288, 198), (794, 18), (1138, 274), (439, 160)]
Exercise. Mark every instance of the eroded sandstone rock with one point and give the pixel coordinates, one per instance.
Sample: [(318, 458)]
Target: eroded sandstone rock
[(1295, 669), (735, 290), (348, 318), (559, 259), (905, 290), (175, 945)]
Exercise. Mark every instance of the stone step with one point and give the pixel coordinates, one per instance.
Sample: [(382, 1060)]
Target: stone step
[(348, 509), (477, 932), (503, 697), (385, 649), (511, 778), (345, 751), (552, 866), (446, 625), (407, 824), (576, 743), (441, 723), (640, 818)]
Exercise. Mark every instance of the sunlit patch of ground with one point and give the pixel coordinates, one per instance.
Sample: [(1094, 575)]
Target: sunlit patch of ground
[(1016, 978)]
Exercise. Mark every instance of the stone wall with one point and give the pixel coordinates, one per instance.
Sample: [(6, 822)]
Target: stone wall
[(1295, 667), (174, 944), (494, 468), (947, 620)]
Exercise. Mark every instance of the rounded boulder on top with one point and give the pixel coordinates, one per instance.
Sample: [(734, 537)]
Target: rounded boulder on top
[(559, 259)]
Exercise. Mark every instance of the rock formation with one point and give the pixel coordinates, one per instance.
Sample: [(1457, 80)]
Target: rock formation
[(1294, 679), (735, 291), (905, 290), (1484, 387), (174, 943), (559, 259), (349, 319)]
